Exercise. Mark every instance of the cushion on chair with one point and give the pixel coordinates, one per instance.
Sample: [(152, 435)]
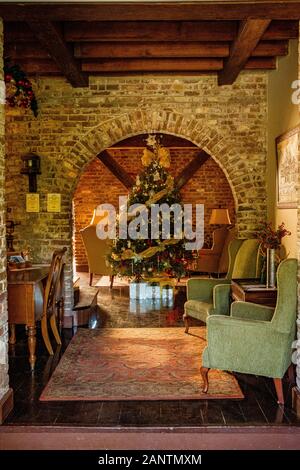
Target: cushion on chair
[(198, 310)]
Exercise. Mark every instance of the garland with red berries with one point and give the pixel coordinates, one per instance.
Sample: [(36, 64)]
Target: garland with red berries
[(18, 89)]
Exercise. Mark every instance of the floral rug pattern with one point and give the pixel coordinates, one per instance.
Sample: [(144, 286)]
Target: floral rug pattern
[(136, 364)]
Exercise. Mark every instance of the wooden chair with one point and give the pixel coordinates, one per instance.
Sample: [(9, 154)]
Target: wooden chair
[(53, 299)]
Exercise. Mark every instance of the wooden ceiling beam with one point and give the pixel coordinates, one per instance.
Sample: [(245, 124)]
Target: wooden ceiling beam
[(249, 35), (279, 30), (149, 65), (39, 67), (116, 169), (157, 31), (48, 67), (51, 39), (153, 31), (261, 63), (27, 50), (96, 50), (283, 10), (271, 48), (190, 169)]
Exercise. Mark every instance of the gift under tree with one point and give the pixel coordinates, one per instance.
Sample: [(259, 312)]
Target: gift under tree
[(147, 257)]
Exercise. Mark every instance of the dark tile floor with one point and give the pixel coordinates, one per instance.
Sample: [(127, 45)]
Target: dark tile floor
[(259, 406)]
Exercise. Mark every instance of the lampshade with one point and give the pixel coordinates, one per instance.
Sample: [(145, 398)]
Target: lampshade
[(98, 218), (219, 217)]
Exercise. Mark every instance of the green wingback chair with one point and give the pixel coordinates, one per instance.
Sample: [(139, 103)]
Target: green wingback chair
[(256, 339), (212, 296)]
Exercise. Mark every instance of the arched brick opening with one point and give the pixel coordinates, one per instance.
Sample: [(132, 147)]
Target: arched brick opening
[(97, 185), (247, 181)]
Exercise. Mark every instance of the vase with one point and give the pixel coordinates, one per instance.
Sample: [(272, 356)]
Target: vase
[(271, 268)]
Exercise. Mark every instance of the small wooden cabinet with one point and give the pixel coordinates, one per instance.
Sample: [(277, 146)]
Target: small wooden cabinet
[(251, 290)]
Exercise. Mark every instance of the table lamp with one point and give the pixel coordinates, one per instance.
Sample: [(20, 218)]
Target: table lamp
[(219, 217)]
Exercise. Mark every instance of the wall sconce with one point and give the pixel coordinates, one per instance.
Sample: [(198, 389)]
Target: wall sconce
[(31, 167)]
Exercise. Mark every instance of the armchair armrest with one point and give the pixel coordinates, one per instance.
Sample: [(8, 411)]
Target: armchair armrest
[(202, 289), (251, 311), (221, 298)]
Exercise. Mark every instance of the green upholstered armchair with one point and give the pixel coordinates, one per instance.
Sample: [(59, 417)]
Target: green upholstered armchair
[(256, 339), (212, 296)]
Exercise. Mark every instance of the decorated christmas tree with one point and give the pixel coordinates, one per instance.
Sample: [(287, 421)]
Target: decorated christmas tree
[(148, 257)]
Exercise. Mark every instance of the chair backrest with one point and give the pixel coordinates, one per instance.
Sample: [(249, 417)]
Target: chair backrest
[(218, 239), (284, 318), (245, 259), (96, 251), (224, 258), (53, 280)]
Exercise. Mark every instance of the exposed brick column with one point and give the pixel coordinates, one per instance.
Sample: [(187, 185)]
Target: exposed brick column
[(296, 356), (5, 392)]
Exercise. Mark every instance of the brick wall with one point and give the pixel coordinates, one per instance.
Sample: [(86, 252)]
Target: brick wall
[(75, 125), (97, 185), (3, 301)]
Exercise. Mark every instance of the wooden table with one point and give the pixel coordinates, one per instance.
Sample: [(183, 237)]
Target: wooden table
[(25, 302), (251, 290)]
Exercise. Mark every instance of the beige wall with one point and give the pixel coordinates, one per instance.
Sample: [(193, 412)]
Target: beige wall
[(282, 116)]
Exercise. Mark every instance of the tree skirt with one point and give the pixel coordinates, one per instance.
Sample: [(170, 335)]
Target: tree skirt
[(136, 364)]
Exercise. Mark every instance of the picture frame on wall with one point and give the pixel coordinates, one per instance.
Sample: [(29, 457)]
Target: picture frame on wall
[(287, 152)]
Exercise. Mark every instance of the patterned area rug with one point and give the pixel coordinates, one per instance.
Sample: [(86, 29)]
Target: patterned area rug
[(136, 364)]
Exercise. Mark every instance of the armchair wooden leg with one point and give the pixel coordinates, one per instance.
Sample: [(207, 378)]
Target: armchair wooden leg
[(111, 281), (204, 374), (91, 279), (279, 391), (12, 338), (291, 374), (186, 323)]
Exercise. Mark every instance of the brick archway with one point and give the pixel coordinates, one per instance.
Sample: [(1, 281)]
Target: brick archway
[(246, 183)]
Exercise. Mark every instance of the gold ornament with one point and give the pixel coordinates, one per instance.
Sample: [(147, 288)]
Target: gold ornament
[(147, 157), (164, 157)]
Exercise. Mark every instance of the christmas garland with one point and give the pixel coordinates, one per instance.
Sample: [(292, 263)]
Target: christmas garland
[(18, 89)]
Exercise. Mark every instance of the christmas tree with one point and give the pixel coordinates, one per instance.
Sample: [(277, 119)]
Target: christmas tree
[(147, 257)]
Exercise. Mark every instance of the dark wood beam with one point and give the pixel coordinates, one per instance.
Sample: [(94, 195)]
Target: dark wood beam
[(249, 35), (152, 65), (153, 31), (157, 31), (271, 48), (51, 39), (278, 30), (168, 11), (48, 67), (39, 67), (17, 32), (27, 50), (261, 63), (190, 169), (116, 169), (112, 50)]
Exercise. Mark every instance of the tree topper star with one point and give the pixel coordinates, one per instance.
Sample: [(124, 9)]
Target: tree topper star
[(151, 141)]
